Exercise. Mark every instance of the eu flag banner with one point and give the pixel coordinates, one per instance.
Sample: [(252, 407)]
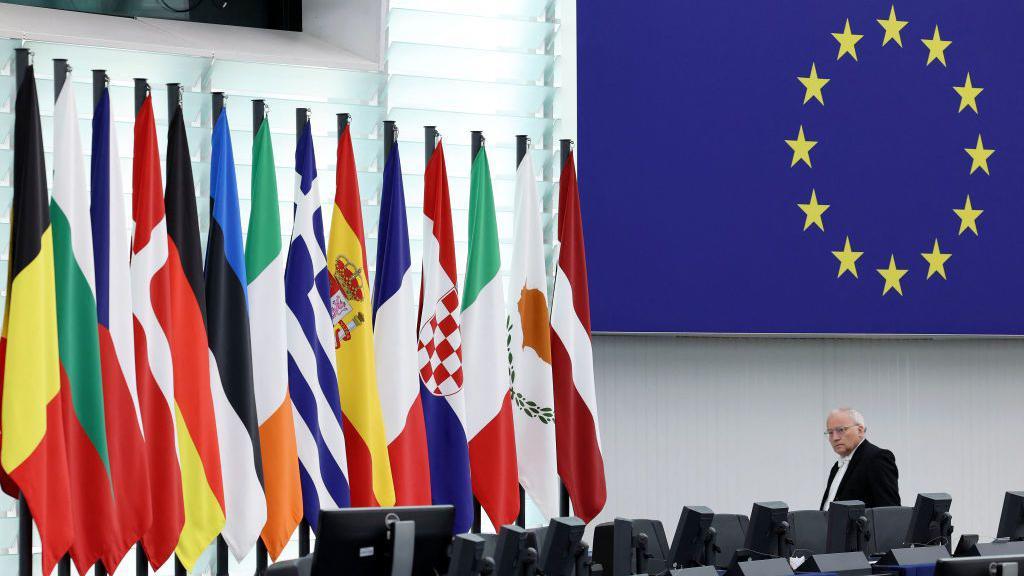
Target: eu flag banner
[(803, 167)]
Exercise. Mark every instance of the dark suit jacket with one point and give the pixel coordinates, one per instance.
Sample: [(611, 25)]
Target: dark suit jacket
[(871, 477)]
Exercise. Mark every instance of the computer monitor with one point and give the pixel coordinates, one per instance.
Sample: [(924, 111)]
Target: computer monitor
[(613, 547), (768, 527), (694, 541), (563, 544), (931, 524), (355, 540), (978, 566), (847, 527), (513, 555), (1011, 521), (467, 558)]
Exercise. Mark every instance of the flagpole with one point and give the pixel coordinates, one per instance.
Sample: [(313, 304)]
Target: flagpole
[(563, 500), (390, 137), (60, 76), (302, 115), (24, 535), (21, 58), (218, 99), (522, 146), (429, 142), (259, 112), (141, 559), (477, 142)]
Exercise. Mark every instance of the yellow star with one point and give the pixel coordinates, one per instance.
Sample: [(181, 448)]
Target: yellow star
[(847, 41), (936, 47), (968, 95), (847, 259), (979, 156), (892, 276), (801, 148), (968, 216), (892, 28), (813, 212), (813, 84), (936, 261)]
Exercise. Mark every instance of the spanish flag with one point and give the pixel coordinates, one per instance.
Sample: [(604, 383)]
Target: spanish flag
[(369, 467), (32, 449)]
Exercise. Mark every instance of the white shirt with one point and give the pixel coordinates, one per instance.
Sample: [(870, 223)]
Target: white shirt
[(844, 463)]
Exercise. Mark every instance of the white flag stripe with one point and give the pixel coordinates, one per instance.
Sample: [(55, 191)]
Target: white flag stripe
[(485, 375), (245, 505), (119, 290), (574, 337), (144, 266), (394, 338), (70, 191), (267, 329)]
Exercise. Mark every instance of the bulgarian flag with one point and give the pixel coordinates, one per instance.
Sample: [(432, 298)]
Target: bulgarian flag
[(32, 449), (97, 530), (492, 441)]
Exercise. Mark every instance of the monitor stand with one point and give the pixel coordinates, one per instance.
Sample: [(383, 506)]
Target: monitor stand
[(402, 534)]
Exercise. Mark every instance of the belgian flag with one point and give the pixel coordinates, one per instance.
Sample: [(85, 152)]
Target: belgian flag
[(32, 447)]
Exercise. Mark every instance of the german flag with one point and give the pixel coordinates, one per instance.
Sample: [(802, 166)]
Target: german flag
[(198, 450), (32, 448)]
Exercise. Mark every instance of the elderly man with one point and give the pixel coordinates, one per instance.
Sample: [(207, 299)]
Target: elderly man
[(864, 471)]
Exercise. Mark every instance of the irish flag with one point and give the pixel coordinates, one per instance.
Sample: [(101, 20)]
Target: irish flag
[(492, 441), (264, 267)]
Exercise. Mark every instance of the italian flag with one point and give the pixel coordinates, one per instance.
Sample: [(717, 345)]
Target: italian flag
[(492, 442)]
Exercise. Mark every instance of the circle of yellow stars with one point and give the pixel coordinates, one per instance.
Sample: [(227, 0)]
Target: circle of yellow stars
[(801, 147)]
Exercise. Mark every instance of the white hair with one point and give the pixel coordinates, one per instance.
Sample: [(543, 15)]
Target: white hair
[(858, 418)]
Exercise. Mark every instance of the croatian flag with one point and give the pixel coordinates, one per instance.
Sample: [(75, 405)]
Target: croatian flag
[(440, 351)]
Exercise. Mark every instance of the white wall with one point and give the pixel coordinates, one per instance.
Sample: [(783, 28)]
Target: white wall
[(723, 422)]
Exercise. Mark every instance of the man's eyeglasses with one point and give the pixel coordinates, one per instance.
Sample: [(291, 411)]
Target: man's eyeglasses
[(840, 430)]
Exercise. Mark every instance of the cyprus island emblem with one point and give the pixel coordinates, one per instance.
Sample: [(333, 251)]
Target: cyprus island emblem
[(346, 288)]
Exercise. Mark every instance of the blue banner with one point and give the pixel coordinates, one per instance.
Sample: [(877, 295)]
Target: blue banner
[(803, 166)]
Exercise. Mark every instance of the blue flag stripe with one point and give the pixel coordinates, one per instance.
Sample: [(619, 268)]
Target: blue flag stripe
[(99, 210)]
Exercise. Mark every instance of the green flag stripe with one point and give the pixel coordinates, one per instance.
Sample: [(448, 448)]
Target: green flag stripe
[(484, 259), (264, 234), (78, 336)]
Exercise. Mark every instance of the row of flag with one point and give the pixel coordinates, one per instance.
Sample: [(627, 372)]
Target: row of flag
[(150, 397)]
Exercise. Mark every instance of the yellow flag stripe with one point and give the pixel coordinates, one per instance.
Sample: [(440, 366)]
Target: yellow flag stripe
[(204, 518), (31, 374)]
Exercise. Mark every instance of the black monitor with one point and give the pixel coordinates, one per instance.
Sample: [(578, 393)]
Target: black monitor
[(1011, 521), (513, 554), (978, 566), (768, 527), (613, 547), (355, 540), (467, 558), (563, 546), (694, 541), (931, 524), (847, 527)]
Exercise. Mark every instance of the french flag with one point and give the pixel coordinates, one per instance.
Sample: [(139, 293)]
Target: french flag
[(394, 338), (440, 351)]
